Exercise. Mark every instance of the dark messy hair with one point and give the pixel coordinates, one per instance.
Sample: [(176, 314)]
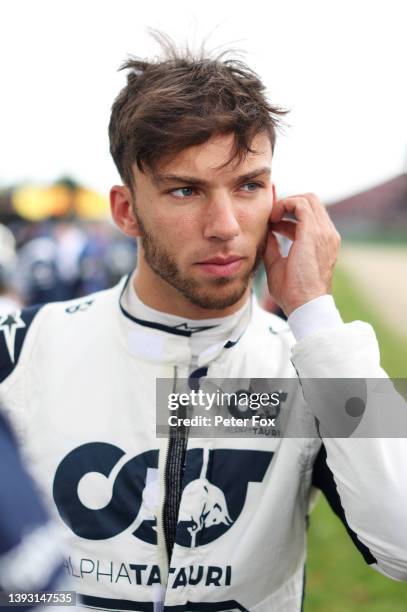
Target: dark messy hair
[(182, 99)]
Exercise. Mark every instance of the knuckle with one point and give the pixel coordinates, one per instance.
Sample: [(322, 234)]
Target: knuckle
[(304, 204), (312, 197)]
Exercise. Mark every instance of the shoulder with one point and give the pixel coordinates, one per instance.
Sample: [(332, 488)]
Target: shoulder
[(41, 325), (79, 318), (14, 328)]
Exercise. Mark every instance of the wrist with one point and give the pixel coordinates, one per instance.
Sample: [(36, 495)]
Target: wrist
[(319, 314), (291, 306)]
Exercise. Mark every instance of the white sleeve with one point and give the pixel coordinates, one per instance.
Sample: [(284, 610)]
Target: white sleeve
[(364, 471), (313, 316)]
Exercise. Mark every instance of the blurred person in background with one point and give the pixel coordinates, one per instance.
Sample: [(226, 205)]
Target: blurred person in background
[(9, 298), (59, 258), (38, 273), (105, 258)]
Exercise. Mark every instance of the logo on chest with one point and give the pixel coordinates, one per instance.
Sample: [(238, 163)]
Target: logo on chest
[(100, 492)]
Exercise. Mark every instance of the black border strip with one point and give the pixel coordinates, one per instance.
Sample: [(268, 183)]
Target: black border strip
[(105, 603)]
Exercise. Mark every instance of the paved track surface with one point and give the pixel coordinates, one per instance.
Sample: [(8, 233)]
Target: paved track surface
[(380, 272)]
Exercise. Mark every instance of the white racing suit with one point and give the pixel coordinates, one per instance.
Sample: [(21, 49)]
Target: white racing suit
[(79, 385)]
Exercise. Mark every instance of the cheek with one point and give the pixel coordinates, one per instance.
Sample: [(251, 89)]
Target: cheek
[(177, 233), (176, 225), (254, 221)]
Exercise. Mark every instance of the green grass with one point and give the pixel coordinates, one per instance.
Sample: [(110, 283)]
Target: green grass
[(352, 306), (338, 579)]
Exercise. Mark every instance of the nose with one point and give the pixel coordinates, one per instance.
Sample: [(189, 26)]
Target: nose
[(220, 219)]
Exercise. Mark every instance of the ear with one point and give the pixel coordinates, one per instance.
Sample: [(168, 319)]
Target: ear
[(122, 210)]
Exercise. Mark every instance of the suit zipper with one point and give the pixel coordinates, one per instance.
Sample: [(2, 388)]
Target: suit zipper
[(162, 531), (161, 537), (172, 468)]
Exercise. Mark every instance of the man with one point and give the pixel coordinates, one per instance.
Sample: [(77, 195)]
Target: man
[(193, 140)]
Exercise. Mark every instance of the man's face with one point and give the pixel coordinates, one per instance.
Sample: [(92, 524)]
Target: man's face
[(203, 228)]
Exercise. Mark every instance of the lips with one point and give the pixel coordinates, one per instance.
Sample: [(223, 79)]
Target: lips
[(221, 266), (221, 261)]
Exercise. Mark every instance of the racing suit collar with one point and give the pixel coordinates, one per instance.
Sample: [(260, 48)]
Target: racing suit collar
[(160, 337)]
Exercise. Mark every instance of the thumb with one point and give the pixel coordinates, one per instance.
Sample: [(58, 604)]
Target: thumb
[(272, 253)]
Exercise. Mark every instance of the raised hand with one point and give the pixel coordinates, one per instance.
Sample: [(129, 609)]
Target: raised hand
[(307, 271)]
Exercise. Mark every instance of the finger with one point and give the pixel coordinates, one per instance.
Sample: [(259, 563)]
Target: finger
[(278, 211), (285, 228), (319, 208), (272, 252), (314, 202), (322, 215), (298, 206)]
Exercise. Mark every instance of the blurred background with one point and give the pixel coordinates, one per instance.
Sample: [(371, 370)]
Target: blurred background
[(338, 66)]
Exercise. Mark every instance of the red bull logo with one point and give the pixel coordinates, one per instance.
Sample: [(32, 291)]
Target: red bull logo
[(203, 505), (214, 492)]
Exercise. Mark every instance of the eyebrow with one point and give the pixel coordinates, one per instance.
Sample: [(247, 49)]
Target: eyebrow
[(160, 179)]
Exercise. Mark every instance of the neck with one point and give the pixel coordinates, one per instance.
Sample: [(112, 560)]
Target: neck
[(156, 293)]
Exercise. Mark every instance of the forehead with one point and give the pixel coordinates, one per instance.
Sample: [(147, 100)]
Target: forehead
[(209, 157), (206, 161)]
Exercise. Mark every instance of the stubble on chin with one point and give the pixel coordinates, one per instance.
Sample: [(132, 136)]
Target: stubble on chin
[(214, 297)]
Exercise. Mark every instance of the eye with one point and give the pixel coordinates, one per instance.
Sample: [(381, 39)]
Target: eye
[(252, 186), (182, 192)]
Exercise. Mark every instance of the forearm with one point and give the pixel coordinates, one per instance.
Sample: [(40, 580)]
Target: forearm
[(368, 467)]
